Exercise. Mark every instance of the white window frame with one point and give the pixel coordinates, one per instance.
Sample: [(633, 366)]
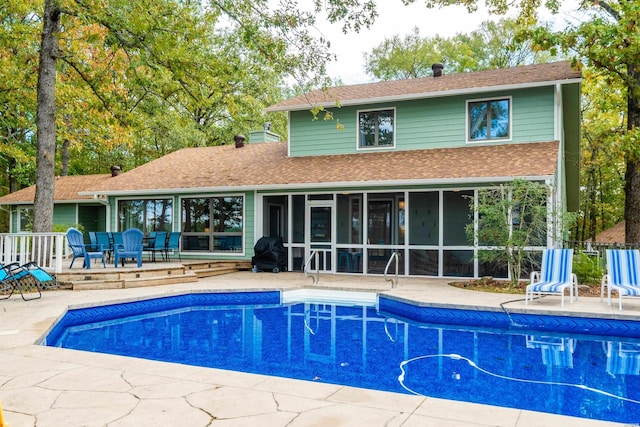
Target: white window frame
[(359, 146), (468, 120)]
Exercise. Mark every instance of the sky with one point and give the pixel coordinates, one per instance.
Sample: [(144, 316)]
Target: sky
[(394, 18)]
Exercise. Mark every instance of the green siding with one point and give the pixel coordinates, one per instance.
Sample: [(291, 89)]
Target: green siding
[(65, 214), (92, 217), (421, 124), (571, 114), (249, 221)]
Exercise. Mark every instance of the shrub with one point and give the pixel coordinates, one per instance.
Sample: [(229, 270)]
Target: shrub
[(587, 268)]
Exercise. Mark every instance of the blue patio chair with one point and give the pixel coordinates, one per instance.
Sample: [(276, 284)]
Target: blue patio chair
[(9, 284), (79, 249), (102, 238), (554, 277), (173, 244), (148, 242), (34, 273), (115, 238), (158, 244), (131, 247), (28, 279), (623, 274), (92, 238)]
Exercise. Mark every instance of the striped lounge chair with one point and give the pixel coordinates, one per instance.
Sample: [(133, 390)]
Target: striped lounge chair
[(555, 350), (554, 277), (623, 274), (622, 358)]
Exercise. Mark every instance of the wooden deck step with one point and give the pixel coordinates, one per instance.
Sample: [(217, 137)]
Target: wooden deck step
[(160, 280), (151, 274), (215, 271), (85, 285)]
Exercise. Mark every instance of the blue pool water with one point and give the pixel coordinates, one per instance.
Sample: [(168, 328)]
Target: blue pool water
[(551, 364)]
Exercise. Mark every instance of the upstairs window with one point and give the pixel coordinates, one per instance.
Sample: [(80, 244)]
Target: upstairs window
[(489, 120), (376, 129)]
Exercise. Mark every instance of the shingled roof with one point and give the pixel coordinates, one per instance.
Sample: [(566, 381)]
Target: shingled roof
[(267, 166), (427, 87), (66, 189)]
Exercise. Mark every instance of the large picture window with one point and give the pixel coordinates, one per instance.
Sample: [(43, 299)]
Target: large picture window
[(376, 129), (146, 215), (213, 224), (489, 119)]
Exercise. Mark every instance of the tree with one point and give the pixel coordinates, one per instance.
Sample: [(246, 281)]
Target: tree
[(609, 44), (46, 118), (602, 161), (510, 219), (490, 46), (408, 58), (181, 49)]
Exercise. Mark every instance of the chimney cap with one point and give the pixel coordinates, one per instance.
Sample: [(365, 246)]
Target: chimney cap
[(239, 140), (437, 69)]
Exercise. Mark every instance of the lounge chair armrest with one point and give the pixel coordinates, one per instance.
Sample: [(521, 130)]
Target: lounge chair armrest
[(535, 277), (30, 264), (10, 266)]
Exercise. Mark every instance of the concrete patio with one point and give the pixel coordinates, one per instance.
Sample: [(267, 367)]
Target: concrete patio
[(43, 386)]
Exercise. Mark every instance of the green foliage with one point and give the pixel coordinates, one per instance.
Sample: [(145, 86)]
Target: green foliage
[(510, 218), (602, 163), (588, 269), (607, 43), (137, 80), (493, 45), (62, 228)]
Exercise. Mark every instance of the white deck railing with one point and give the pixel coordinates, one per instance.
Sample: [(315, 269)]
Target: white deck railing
[(45, 249)]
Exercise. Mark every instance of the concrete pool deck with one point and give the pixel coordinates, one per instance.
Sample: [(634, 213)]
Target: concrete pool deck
[(43, 386)]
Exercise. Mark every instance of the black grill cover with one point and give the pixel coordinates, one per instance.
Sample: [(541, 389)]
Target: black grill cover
[(269, 255)]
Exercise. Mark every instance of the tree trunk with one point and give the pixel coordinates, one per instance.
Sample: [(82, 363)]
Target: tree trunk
[(632, 174), (13, 182), (64, 158), (46, 119), (632, 201)]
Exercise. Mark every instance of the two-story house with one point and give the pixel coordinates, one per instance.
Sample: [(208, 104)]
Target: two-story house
[(393, 170)]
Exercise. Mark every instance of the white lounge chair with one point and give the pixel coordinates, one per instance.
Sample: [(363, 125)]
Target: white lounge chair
[(554, 277), (623, 274), (623, 358), (556, 351)]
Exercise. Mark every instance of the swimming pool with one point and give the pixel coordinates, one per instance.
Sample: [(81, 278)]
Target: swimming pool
[(562, 365)]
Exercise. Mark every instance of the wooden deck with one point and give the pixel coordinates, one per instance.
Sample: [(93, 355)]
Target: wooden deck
[(150, 274)]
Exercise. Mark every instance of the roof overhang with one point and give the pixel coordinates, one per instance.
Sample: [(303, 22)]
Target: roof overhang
[(58, 202), (322, 185)]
